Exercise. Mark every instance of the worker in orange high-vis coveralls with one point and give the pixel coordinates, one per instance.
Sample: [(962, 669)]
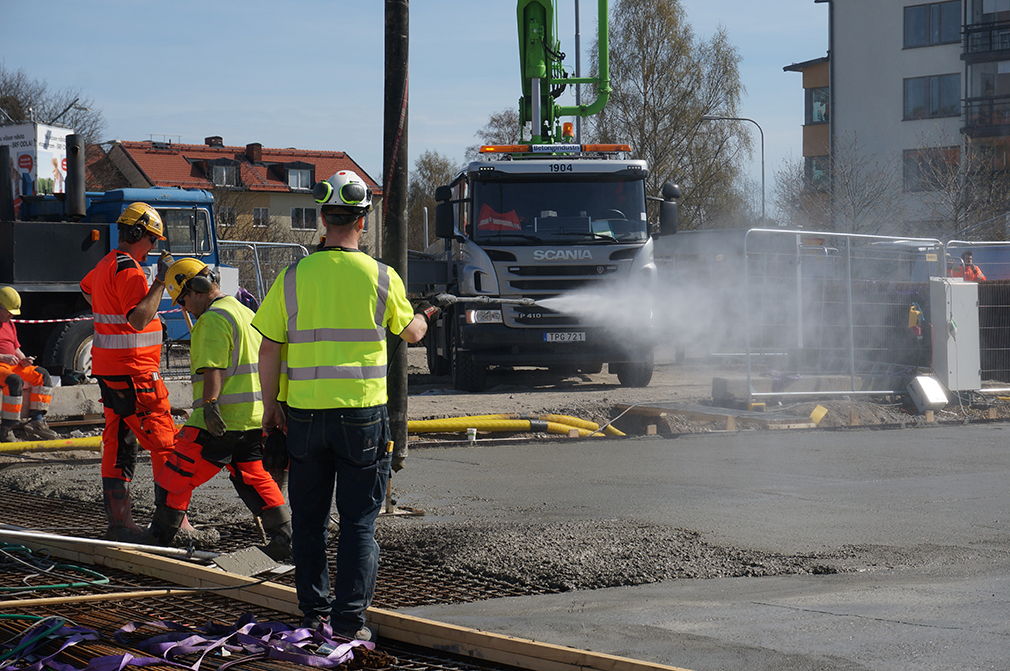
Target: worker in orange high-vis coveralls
[(125, 357), (17, 372)]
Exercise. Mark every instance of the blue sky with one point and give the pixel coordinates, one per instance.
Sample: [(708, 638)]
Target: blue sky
[(310, 74)]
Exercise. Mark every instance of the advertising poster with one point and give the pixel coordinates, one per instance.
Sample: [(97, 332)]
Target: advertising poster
[(38, 158)]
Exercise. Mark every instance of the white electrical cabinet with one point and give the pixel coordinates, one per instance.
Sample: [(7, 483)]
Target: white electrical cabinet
[(953, 312)]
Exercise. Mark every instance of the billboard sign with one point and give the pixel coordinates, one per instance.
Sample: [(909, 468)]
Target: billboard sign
[(38, 158)]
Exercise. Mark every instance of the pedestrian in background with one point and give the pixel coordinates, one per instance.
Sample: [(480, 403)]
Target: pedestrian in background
[(18, 372), (971, 272), (225, 429), (324, 324), (126, 357)]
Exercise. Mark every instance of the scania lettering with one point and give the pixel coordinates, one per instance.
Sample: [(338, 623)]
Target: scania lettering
[(558, 254)]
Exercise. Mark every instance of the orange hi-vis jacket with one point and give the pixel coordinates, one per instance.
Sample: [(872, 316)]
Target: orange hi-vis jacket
[(117, 284)]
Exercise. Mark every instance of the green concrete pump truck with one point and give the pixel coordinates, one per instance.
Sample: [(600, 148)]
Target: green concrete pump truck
[(538, 220)]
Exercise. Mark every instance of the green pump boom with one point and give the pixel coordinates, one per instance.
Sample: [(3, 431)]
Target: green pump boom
[(543, 76)]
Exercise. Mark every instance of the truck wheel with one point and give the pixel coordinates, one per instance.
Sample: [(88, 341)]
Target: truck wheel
[(467, 375), (634, 373), (436, 364), (69, 347), (591, 369)]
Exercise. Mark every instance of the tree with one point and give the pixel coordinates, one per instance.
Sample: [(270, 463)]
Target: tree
[(968, 182), (859, 192), (501, 128), (431, 170), (25, 99), (663, 81)]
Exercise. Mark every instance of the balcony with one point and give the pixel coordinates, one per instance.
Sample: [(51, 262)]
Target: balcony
[(986, 41), (987, 117)]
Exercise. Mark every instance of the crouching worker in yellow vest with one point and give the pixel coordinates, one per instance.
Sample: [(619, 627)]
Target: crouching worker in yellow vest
[(225, 429)]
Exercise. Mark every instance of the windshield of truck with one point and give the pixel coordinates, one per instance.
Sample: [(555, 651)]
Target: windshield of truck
[(559, 211), (186, 235)]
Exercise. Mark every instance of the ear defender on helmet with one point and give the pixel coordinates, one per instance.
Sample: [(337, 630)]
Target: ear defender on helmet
[(344, 189), (139, 219)]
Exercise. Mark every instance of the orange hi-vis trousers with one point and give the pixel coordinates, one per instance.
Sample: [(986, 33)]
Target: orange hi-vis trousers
[(14, 379), (137, 403)]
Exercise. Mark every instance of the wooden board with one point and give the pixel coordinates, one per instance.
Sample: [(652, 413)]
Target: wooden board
[(480, 645), (704, 413)]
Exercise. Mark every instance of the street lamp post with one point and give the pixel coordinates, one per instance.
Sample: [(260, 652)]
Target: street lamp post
[(712, 117)]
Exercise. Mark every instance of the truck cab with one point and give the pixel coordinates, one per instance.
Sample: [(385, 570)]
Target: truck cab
[(534, 245)]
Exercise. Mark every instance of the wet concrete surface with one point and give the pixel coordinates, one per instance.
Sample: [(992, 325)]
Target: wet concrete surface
[(916, 522)]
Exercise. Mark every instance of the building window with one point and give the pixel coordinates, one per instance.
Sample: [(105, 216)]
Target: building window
[(303, 218), (817, 171), (261, 217), (935, 23), (924, 169), (817, 105), (300, 179), (224, 175), (225, 215), (937, 96)]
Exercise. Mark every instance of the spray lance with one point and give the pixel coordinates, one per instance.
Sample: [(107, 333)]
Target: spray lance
[(449, 299)]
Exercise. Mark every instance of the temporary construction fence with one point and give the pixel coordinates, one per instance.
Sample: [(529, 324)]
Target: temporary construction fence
[(851, 311), (259, 263)]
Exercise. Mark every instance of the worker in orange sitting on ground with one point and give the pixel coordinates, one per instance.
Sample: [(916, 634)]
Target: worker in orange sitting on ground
[(970, 272), (125, 357), (16, 373), (225, 429)]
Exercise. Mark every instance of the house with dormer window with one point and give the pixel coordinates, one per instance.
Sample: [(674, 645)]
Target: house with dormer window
[(260, 194)]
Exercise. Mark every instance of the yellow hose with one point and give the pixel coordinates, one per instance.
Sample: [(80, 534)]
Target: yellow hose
[(489, 424), (560, 419), (93, 443), (560, 424)]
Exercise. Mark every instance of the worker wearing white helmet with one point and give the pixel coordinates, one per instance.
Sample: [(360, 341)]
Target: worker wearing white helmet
[(18, 372), (332, 345)]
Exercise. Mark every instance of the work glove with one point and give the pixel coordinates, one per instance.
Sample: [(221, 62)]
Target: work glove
[(165, 262), (397, 464), (428, 310), (275, 450), (212, 418)]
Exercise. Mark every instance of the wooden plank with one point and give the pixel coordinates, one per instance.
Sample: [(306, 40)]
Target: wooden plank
[(480, 645), (703, 413)]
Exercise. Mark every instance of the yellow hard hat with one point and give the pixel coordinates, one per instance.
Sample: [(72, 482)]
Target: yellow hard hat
[(10, 299), (143, 217), (180, 273)]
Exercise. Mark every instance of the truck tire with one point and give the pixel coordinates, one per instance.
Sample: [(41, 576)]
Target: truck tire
[(467, 375), (69, 348), (634, 373)]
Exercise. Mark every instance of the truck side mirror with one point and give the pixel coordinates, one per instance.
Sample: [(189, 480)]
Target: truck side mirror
[(667, 218), (443, 194), (445, 221), (668, 209)]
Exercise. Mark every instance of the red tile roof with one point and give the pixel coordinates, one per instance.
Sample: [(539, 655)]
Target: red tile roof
[(168, 164)]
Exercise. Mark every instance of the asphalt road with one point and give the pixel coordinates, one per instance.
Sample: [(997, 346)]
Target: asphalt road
[(920, 519)]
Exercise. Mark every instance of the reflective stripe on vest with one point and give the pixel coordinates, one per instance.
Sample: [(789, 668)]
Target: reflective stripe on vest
[(235, 370), (334, 335), (127, 340)]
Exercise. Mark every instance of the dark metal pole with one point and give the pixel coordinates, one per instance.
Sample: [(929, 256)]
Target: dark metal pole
[(394, 206)]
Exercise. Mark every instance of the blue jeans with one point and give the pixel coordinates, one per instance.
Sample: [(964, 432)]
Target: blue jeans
[(345, 447)]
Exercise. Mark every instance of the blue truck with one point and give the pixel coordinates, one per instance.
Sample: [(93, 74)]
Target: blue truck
[(51, 241)]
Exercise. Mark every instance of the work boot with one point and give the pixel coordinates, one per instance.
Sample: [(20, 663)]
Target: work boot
[(165, 524), (277, 525), (7, 434), (116, 496), (37, 429)]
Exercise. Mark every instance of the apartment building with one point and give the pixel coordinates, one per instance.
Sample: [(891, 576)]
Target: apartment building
[(919, 97)]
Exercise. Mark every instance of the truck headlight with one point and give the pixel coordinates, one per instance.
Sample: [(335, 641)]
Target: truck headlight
[(483, 317)]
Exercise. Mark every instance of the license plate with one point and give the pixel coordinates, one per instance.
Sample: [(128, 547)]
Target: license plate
[(565, 336)]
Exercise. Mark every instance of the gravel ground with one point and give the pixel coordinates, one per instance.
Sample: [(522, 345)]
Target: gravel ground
[(569, 555)]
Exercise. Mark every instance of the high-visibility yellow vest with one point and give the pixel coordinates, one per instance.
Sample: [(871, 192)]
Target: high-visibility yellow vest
[(330, 310), (223, 337)]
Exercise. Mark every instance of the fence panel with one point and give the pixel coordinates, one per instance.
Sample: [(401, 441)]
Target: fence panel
[(259, 263)]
